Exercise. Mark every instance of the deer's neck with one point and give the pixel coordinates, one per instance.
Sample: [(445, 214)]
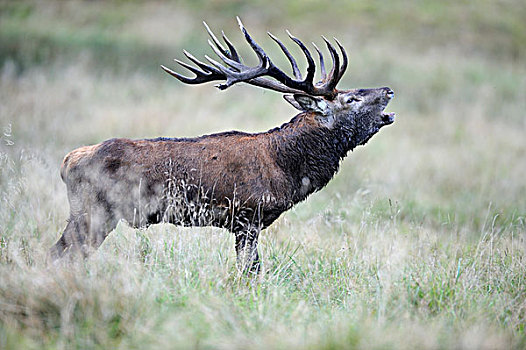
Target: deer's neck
[(309, 155)]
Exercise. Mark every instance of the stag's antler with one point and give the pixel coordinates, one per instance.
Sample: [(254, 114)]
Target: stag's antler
[(234, 71)]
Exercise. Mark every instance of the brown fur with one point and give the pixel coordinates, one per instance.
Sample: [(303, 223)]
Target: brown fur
[(239, 181)]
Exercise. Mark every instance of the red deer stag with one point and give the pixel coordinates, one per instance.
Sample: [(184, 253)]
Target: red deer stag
[(239, 181)]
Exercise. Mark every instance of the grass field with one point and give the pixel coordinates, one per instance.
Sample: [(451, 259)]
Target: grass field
[(418, 242)]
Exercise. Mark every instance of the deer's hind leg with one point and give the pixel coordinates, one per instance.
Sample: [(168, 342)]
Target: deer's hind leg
[(102, 222), (73, 239), (90, 222)]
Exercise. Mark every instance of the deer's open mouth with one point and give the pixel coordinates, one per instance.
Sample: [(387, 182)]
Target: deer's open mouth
[(387, 118)]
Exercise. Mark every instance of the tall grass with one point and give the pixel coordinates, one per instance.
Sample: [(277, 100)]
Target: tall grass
[(419, 241)]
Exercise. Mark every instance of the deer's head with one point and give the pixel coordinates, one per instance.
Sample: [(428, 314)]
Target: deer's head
[(358, 112)]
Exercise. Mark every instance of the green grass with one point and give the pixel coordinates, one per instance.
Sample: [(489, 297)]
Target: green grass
[(419, 241)]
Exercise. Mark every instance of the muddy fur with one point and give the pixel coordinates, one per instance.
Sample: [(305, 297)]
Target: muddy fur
[(239, 181)]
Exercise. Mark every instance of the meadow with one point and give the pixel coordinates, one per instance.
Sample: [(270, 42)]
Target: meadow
[(418, 242)]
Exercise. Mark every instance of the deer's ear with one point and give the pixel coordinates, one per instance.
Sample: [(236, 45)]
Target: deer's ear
[(307, 103)]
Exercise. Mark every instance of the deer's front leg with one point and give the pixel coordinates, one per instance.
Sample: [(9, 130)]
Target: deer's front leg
[(246, 249)]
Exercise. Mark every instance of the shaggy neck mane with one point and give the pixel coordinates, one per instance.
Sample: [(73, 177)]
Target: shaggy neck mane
[(309, 155)]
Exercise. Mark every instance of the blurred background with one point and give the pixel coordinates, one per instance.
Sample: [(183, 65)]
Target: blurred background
[(76, 73), (452, 166)]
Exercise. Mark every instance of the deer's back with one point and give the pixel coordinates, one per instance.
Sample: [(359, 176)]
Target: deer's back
[(226, 165)]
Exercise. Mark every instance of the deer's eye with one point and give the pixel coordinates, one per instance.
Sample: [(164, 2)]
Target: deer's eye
[(353, 99)]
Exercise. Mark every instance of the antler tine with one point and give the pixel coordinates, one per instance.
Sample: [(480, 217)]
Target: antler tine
[(220, 50), (214, 38), (322, 64), (224, 73), (291, 59), (263, 58), (252, 75), (227, 60), (205, 67), (345, 60), (190, 67), (218, 65), (311, 68), (233, 71), (332, 80), (233, 77), (232, 50), (242, 73), (207, 73), (177, 75), (200, 78)]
